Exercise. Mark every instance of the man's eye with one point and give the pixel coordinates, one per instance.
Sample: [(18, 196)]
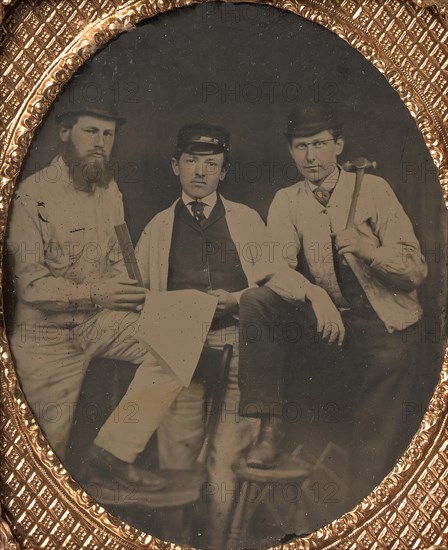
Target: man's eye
[(301, 146), (318, 144)]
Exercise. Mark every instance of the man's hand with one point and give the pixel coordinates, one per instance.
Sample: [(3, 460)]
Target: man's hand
[(329, 320), (118, 293), (227, 303), (350, 240)]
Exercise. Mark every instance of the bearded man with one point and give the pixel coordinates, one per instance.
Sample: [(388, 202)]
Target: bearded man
[(75, 300)]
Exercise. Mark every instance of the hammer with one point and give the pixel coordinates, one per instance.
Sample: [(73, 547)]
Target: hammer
[(359, 166)]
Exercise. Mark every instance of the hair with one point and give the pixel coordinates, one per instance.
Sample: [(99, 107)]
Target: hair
[(337, 132), (68, 121), (225, 165)]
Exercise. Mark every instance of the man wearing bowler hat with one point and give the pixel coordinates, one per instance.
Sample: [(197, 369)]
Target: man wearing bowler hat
[(354, 300), (75, 300)]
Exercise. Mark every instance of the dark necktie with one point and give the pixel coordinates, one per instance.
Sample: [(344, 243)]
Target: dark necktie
[(197, 207), (322, 195)]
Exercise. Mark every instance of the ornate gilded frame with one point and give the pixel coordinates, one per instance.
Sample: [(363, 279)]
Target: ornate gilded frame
[(43, 43)]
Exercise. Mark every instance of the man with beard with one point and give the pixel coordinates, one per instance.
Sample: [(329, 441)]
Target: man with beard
[(74, 298)]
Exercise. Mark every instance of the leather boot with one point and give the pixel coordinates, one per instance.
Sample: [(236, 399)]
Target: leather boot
[(265, 452), (105, 463)]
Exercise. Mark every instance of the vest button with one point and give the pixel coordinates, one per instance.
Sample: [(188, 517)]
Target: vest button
[(324, 211)]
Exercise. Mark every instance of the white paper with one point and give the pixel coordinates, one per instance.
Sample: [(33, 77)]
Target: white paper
[(174, 325)]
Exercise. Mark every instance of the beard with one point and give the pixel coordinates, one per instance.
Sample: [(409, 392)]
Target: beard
[(87, 171)]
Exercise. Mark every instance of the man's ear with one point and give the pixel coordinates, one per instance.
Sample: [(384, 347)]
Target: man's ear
[(223, 173), (175, 166), (64, 133), (339, 145)]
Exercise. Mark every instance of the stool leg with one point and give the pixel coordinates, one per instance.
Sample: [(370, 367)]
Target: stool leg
[(237, 517), (238, 526)]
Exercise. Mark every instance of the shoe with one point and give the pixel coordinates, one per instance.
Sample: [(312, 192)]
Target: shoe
[(125, 472), (265, 452)]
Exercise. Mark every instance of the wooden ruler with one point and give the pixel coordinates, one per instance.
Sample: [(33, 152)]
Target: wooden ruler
[(127, 249)]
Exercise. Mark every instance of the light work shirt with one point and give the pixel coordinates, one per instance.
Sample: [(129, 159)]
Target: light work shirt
[(62, 240), (298, 222)]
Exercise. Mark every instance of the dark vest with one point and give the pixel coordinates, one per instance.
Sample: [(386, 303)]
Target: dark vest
[(349, 285), (203, 256)]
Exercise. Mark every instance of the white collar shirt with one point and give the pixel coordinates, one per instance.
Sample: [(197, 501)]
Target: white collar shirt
[(209, 201), (329, 182)]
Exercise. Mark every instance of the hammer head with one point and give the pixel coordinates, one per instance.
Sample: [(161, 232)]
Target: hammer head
[(360, 163)]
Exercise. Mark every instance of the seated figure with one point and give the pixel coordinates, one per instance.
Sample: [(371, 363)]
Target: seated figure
[(353, 295), (208, 243)]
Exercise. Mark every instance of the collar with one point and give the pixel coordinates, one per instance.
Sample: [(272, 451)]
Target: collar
[(209, 200), (329, 182), (63, 171)]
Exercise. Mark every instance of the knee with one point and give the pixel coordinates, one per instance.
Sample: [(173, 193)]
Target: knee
[(256, 299)]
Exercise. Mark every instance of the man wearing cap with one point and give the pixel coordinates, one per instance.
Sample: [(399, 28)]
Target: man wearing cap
[(74, 298), (208, 243), (355, 288)]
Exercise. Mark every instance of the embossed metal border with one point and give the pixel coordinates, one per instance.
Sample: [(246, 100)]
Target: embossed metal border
[(43, 43)]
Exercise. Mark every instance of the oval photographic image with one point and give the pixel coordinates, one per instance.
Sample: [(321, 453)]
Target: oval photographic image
[(225, 277)]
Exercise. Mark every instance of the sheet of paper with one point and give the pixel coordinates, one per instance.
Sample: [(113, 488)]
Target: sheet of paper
[(174, 325)]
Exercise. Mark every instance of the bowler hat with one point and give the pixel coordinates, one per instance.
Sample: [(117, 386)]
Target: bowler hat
[(203, 139), (105, 112), (312, 118)]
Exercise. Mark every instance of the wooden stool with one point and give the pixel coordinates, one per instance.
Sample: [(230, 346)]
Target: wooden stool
[(254, 485)]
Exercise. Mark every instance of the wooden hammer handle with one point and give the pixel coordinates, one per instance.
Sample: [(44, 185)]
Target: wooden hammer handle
[(351, 214)]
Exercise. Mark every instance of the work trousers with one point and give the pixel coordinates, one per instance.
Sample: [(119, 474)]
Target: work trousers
[(181, 433), (51, 363), (378, 369)]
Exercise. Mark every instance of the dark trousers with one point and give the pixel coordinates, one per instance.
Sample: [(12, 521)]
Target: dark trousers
[(374, 373)]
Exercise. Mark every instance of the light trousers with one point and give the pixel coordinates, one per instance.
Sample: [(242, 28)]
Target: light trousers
[(52, 361)]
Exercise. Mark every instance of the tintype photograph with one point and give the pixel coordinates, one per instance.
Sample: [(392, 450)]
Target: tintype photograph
[(226, 277)]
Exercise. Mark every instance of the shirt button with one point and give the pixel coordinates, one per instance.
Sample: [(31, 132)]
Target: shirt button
[(324, 211)]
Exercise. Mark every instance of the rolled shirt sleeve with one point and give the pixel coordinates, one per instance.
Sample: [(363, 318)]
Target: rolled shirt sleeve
[(398, 258)]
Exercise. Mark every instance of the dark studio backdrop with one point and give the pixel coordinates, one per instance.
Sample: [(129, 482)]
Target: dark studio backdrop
[(245, 67)]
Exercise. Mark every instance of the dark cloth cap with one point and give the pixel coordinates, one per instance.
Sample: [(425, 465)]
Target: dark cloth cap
[(105, 112), (203, 139), (309, 119)]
